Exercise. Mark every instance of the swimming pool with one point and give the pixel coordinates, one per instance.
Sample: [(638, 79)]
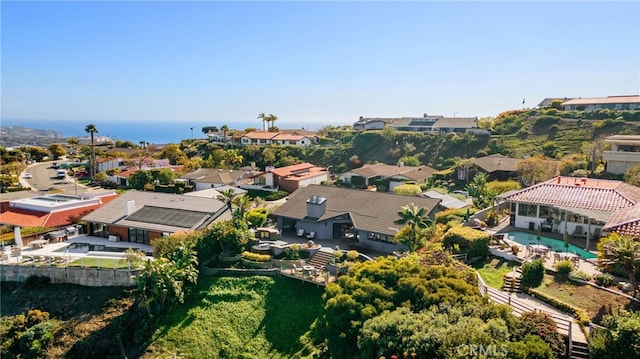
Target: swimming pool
[(87, 247), (556, 245)]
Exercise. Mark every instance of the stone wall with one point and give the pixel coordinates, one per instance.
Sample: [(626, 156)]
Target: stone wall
[(91, 277)]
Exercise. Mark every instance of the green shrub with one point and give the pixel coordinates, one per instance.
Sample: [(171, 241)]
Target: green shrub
[(604, 279), (564, 268), (35, 341), (579, 275), (274, 196), (292, 252), (532, 273), (471, 241), (256, 257)]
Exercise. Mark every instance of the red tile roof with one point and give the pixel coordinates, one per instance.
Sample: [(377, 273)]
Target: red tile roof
[(583, 193), (26, 218), (625, 222), (297, 169)]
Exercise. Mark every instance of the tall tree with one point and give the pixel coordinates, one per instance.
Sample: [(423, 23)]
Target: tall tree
[(224, 129), (623, 251), (91, 130), (265, 118), (57, 150), (415, 219), (226, 196), (272, 118)]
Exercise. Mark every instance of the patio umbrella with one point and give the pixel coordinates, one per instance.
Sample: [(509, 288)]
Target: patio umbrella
[(538, 238), (566, 242), (18, 236)]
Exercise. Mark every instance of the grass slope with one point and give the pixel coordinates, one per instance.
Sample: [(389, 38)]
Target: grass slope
[(248, 317), (493, 270)]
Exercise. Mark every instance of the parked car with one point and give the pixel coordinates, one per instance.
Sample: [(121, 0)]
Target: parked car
[(28, 175), (55, 165)]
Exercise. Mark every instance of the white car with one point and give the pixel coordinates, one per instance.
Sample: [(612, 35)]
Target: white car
[(28, 175)]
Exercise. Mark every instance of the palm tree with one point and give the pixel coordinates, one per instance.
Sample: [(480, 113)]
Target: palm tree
[(414, 219), (413, 216), (91, 129), (226, 196), (262, 116), (623, 251), (224, 130), (272, 119), (242, 203)]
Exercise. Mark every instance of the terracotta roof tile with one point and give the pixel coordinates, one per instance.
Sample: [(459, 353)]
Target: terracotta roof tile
[(583, 193)]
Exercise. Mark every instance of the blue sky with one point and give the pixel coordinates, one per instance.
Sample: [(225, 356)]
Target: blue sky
[(308, 62)]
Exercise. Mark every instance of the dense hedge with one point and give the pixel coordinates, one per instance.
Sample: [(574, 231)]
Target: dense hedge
[(532, 273), (468, 240)]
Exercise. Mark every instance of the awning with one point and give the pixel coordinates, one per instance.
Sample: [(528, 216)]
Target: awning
[(597, 215)]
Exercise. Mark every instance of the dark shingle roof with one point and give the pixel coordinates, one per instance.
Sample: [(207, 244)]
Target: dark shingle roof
[(497, 162), (370, 211)]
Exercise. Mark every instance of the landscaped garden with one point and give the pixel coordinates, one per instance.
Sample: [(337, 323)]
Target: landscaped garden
[(493, 270)]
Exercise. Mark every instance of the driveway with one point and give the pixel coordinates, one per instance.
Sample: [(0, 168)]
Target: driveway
[(44, 180)]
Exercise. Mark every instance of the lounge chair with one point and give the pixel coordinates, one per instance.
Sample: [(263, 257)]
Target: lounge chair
[(300, 232), (297, 269), (311, 235)]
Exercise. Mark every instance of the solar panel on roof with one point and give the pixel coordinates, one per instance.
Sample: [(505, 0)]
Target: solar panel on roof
[(168, 216)]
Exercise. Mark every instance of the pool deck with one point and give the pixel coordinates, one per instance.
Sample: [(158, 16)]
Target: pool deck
[(57, 249), (587, 266)]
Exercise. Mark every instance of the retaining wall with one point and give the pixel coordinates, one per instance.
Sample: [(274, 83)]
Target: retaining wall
[(91, 277)]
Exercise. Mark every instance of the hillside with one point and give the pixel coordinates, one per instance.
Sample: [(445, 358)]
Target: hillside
[(14, 136), (547, 132)]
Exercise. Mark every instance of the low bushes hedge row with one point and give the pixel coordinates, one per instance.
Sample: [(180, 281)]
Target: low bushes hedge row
[(580, 315)]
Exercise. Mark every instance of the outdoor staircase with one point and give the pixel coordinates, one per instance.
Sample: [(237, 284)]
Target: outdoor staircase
[(512, 282), (320, 259), (579, 351)]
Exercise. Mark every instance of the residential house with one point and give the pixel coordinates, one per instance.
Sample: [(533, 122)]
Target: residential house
[(549, 100), (140, 217), (277, 138), (581, 207), (624, 153), (290, 178), (598, 103), (52, 210), (204, 178), (332, 212), (424, 124), (446, 201), (121, 178), (365, 124), (496, 166), (393, 176)]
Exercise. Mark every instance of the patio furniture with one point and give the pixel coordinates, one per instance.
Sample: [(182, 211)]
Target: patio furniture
[(311, 235), (297, 269), (300, 232)]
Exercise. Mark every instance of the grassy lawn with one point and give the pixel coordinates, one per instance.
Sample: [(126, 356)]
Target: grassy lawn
[(594, 301), (493, 269), (229, 317), (109, 263)]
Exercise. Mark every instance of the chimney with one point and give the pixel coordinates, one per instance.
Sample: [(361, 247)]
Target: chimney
[(131, 207), (559, 179), (316, 206)]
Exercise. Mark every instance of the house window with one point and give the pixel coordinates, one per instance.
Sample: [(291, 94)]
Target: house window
[(138, 236), (527, 210)]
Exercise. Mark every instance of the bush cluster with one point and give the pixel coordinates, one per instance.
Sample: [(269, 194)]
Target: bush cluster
[(532, 273), (471, 241), (604, 279), (256, 257), (564, 268)]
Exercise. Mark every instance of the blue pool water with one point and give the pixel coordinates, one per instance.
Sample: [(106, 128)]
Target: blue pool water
[(556, 245)]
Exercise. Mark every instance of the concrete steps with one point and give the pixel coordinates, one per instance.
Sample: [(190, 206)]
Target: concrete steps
[(320, 259), (511, 282), (579, 351)]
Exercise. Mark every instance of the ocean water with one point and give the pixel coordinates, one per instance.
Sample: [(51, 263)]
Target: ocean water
[(135, 131)]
